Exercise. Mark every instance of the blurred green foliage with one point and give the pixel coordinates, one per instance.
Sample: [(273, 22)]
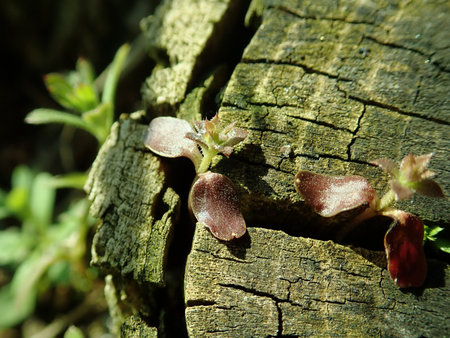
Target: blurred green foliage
[(433, 234), (78, 91), (39, 249)]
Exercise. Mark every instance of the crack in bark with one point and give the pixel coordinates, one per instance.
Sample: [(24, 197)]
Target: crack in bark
[(368, 102), (320, 123), (224, 258), (253, 292), (200, 302), (306, 17), (306, 69), (334, 157), (280, 320), (263, 130), (257, 293), (355, 132), (308, 156), (395, 45), (410, 49), (274, 105)]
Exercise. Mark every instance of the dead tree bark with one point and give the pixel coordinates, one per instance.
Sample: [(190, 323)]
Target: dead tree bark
[(320, 86)]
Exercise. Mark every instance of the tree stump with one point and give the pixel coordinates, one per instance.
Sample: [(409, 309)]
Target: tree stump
[(320, 86)]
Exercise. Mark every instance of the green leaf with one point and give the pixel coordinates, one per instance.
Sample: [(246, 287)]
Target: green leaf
[(431, 232), (434, 231), (71, 92), (85, 71), (72, 180), (73, 332), (100, 119), (443, 244), (44, 116), (59, 88), (15, 245), (3, 196), (25, 281), (22, 176), (4, 212), (18, 298), (86, 97), (12, 313), (17, 202), (114, 70), (59, 273), (42, 199), (71, 224)]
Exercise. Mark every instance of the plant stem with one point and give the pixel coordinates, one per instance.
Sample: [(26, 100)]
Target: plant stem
[(386, 201), (366, 214), (208, 155)]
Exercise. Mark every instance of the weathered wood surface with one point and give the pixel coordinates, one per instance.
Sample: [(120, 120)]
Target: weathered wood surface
[(342, 86), (185, 37), (136, 209), (273, 284), (135, 327), (320, 86)]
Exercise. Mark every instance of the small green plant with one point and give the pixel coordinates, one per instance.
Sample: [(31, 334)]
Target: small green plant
[(39, 250), (212, 199), (437, 241), (330, 195), (78, 91)]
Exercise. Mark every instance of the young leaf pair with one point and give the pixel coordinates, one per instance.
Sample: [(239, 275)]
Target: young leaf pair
[(78, 91), (330, 195), (212, 198)]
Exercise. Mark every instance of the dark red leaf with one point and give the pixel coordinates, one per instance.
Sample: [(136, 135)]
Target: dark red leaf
[(166, 137), (404, 249), (330, 195), (428, 187), (215, 203)]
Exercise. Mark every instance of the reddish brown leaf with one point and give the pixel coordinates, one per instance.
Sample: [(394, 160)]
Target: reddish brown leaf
[(414, 168), (404, 249), (387, 165), (428, 187), (413, 176), (401, 192), (166, 137), (330, 195), (215, 203)]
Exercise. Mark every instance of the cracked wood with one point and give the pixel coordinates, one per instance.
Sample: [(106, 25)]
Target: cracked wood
[(272, 284), (137, 211), (340, 86), (321, 86)]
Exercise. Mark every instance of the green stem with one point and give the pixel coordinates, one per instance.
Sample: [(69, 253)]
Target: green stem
[(386, 201), (208, 155)]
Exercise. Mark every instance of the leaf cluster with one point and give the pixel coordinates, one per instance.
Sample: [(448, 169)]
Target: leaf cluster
[(212, 199), (38, 249), (331, 195), (79, 92)]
